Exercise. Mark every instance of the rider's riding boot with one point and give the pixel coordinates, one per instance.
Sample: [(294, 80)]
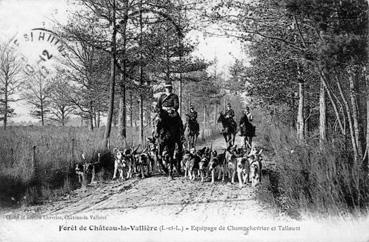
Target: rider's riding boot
[(157, 130), (182, 137)]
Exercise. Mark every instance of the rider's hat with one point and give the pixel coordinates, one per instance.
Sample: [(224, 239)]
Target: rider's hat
[(168, 84), (191, 107), (228, 104)]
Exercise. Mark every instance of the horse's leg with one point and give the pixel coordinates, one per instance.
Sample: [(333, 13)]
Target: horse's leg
[(230, 144), (225, 138), (160, 158), (179, 157), (171, 148), (188, 141)]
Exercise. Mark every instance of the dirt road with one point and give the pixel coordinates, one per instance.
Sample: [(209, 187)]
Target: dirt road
[(159, 195), (158, 209)]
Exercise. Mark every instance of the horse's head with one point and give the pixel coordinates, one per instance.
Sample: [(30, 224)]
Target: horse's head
[(187, 117), (221, 117)]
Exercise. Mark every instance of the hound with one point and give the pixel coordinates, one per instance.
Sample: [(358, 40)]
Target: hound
[(185, 163), (82, 169), (243, 171), (145, 162), (230, 166), (152, 152), (216, 165), (191, 163), (203, 165), (255, 165), (121, 164)]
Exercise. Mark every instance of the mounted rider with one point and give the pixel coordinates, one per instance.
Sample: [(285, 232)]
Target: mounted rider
[(169, 103), (192, 118), (229, 115), (246, 127), (248, 114)]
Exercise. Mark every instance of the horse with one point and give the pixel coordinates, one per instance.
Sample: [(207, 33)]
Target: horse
[(169, 136), (191, 131), (248, 132), (229, 129)]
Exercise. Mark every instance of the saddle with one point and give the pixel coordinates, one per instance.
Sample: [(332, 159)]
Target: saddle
[(170, 112), (193, 125), (248, 130), (168, 123), (232, 124)]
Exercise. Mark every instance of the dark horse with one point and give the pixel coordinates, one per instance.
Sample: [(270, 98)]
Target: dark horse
[(247, 131), (229, 129), (169, 136), (192, 131)]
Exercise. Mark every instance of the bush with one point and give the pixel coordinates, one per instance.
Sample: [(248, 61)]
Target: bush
[(309, 178)]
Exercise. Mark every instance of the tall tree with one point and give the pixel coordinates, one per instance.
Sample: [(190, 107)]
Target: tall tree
[(37, 95), (85, 68), (10, 80), (60, 108)]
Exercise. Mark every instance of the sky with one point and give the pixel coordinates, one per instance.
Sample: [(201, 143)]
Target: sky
[(18, 17)]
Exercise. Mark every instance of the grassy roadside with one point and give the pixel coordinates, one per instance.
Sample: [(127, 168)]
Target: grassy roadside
[(37, 162), (307, 179)]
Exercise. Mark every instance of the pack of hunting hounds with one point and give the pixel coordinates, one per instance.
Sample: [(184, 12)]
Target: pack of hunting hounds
[(205, 164)]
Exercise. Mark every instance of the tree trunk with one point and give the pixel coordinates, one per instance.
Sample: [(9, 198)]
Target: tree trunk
[(6, 104), (91, 116), (307, 120), (330, 96), (141, 107), (141, 127), (122, 123), (366, 155), (300, 112), (322, 115), (112, 80), (63, 118), (42, 107), (349, 118), (98, 119), (42, 115), (95, 118), (355, 115), (366, 74), (180, 62), (122, 107), (148, 116), (131, 108), (204, 115), (215, 113)]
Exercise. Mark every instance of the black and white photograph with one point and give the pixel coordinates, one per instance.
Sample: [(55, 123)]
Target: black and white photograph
[(184, 120)]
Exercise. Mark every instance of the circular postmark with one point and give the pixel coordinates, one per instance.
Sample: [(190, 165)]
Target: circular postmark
[(40, 49)]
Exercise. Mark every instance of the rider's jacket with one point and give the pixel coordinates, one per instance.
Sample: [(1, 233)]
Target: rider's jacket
[(249, 116), (229, 113), (168, 101), (192, 115), (244, 120)]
